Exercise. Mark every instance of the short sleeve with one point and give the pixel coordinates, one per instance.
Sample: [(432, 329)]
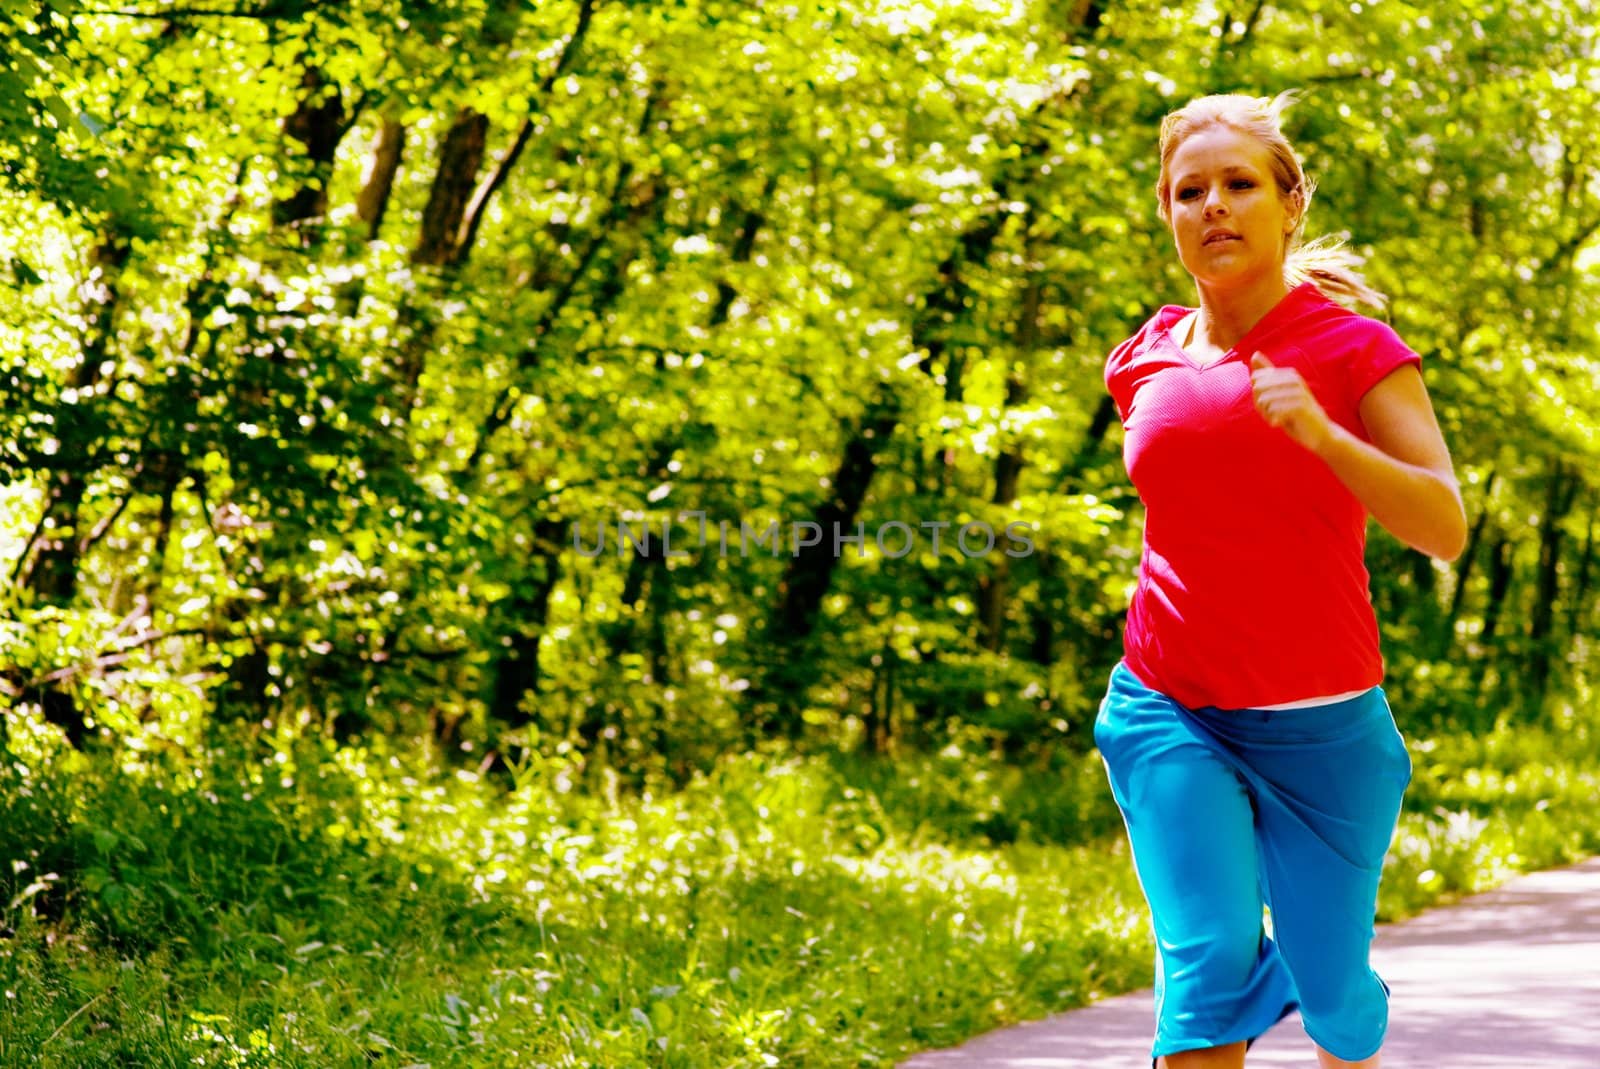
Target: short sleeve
[(1381, 353), (1117, 383)]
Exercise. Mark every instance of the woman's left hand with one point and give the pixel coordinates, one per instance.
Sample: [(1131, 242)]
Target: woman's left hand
[(1285, 401)]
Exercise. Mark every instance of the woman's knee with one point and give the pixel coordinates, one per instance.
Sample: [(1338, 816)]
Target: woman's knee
[(1346, 1016), (1212, 964)]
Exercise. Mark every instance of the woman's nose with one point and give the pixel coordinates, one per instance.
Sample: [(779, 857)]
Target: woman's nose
[(1214, 204)]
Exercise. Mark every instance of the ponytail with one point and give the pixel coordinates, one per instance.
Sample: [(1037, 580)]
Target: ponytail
[(1333, 268)]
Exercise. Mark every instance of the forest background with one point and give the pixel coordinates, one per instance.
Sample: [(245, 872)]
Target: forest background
[(333, 337)]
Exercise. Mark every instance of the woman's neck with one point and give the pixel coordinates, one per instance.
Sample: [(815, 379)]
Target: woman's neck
[(1226, 316)]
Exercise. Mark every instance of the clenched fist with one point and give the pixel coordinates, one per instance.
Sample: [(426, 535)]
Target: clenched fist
[(1285, 401)]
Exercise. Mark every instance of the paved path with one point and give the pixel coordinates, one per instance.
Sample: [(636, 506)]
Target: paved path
[(1509, 979)]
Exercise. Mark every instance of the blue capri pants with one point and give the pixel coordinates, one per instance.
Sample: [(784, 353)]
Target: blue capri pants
[(1230, 810)]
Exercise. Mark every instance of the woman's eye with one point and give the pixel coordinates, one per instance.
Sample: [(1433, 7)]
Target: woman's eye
[(1188, 192), (1241, 183)]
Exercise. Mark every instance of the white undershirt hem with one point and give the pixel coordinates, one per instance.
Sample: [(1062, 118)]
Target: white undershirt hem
[(1308, 703)]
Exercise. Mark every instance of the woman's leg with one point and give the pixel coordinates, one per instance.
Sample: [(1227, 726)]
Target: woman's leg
[(1219, 981), (1229, 1057), (1232, 1057), (1328, 784)]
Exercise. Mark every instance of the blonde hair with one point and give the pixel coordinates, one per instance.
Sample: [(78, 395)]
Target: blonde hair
[(1326, 262)]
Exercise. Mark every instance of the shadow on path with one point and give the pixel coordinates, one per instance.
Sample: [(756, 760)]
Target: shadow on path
[(1509, 979)]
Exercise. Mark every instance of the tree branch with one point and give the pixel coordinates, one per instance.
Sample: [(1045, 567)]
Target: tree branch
[(529, 358), (108, 658), (480, 200), (269, 14), (89, 540)]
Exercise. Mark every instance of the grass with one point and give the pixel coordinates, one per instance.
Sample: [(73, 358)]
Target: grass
[(324, 907), (1484, 807)]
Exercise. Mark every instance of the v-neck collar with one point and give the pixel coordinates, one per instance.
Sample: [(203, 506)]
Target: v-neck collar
[(1287, 307)]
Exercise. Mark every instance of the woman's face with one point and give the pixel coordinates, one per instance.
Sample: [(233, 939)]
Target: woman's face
[(1228, 219)]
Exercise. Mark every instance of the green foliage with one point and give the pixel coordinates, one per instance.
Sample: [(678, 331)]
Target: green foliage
[(317, 905), (320, 908), (1483, 807), (314, 396), (323, 326), (47, 144)]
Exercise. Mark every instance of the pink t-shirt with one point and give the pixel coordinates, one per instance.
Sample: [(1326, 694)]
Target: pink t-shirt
[(1252, 586)]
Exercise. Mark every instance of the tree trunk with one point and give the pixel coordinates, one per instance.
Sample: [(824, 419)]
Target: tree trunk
[(810, 571), (1499, 584), (1423, 577), (377, 186), (317, 124), (1578, 608), (456, 204), (460, 157), (163, 534), (1086, 17), (1561, 492), (991, 599), (516, 670), (52, 571), (1445, 635), (992, 587), (1042, 641), (880, 729), (451, 221)]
